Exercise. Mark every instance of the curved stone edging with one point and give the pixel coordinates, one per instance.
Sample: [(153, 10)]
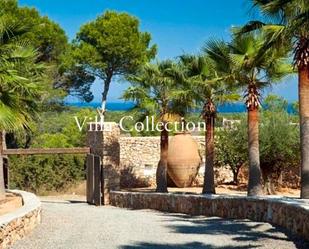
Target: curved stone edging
[(15, 225), (289, 213)]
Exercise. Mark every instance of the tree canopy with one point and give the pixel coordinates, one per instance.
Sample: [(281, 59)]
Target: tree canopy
[(53, 48), (45, 35), (112, 45), (153, 90)]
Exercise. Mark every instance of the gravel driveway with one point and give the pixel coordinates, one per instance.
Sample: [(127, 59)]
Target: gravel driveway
[(77, 225)]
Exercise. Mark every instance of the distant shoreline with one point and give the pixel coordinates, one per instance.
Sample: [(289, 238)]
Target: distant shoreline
[(125, 106), (111, 106)]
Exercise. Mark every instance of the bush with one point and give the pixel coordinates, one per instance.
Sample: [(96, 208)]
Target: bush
[(40, 174), (279, 147), (231, 148), (279, 144)]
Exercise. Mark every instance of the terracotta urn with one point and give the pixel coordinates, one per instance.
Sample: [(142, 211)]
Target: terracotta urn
[(183, 159)]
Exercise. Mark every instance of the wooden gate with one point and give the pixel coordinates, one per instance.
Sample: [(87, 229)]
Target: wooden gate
[(95, 180)]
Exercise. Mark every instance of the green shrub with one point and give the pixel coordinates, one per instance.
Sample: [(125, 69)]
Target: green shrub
[(279, 144), (231, 148), (41, 174), (279, 147)]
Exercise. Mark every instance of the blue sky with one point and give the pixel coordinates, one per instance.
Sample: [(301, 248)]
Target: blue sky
[(176, 26)]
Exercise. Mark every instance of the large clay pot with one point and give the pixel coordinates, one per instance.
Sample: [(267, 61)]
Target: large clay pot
[(183, 159)]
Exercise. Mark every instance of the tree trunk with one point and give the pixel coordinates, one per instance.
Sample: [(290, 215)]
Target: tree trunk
[(235, 176), (303, 85), (107, 83), (269, 185), (254, 184), (161, 174), (209, 179), (2, 147), (280, 180)]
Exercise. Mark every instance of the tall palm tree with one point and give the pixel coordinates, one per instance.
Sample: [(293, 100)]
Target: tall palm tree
[(253, 69), (19, 78), (208, 89), (152, 89), (288, 23)]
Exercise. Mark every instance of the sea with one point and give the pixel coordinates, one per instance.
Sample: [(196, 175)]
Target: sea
[(125, 106)]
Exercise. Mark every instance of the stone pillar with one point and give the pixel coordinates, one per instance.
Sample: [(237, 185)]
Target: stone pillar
[(106, 145)]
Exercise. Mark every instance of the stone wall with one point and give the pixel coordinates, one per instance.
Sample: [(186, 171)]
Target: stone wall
[(142, 154), (288, 213), (139, 157), (133, 160), (17, 224)]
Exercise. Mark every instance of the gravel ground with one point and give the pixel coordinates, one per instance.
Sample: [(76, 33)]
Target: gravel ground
[(77, 225)]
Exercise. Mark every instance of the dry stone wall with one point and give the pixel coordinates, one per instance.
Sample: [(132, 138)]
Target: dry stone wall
[(133, 160), (20, 222), (139, 156), (288, 213)]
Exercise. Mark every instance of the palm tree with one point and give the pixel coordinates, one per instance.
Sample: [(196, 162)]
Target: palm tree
[(208, 89), (288, 23), (253, 69), (152, 90), (19, 78)]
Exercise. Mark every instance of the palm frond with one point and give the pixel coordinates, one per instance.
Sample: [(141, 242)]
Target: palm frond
[(20, 75), (251, 26)]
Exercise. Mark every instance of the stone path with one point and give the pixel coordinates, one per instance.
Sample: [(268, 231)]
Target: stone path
[(77, 225)]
